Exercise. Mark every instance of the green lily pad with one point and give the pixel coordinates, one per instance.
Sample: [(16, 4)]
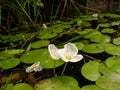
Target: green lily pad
[(108, 30), (92, 34), (90, 70), (8, 87), (91, 87), (101, 38), (41, 55), (45, 34), (113, 63), (104, 69), (115, 23), (111, 15), (9, 63), (79, 45), (116, 41), (57, 83), (10, 53), (22, 86), (112, 49), (104, 25), (93, 48), (40, 43), (109, 81)]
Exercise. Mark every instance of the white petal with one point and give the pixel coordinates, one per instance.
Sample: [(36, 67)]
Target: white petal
[(53, 51), (29, 69), (76, 58), (70, 49)]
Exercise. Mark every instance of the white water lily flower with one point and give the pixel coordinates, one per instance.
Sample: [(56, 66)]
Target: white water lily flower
[(35, 67), (70, 53), (53, 50)]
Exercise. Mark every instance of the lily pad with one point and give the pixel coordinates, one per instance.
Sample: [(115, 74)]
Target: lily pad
[(104, 69), (104, 25), (41, 55), (90, 70), (116, 41), (91, 87), (111, 15), (100, 38), (93, 48), (22, 86), (10, 53), (112, 49), (113, 63), (92, 34), (9, 63), (8, 87), (115, 23), (108, 30), (79, 45), (40, 43), (109, 81), (57, 83)]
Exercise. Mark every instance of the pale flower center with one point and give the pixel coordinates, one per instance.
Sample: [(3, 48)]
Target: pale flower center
[(68, 57), (34, 67)]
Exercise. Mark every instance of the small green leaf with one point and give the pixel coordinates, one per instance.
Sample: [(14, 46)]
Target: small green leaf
[(93, 48), (22, 86), (116, 41), (90, 70), (40, 43), (109, 81), (113, 63), (9, 63), (91, 87), (104, 25), (108, 30), (79, 45), (58, 83), (112, 49)]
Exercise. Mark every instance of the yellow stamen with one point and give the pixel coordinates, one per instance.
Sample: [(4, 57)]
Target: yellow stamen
[(34, 66), (68, 57)]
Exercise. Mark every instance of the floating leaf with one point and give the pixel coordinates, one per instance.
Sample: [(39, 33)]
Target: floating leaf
[(22, 86), (108, 30), (92, 34), (10, 53), (101, 38), (41, 55), (115, 23), (116, 41), (9, 63), (93, 48), (90, 70), (47, 34), (104, 25), (104, 69), (109, 81), (8, 87), (113, 63), (111, 15), (112, 49), (79, 45), (58, 83), (91, 87), (40, 43)]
